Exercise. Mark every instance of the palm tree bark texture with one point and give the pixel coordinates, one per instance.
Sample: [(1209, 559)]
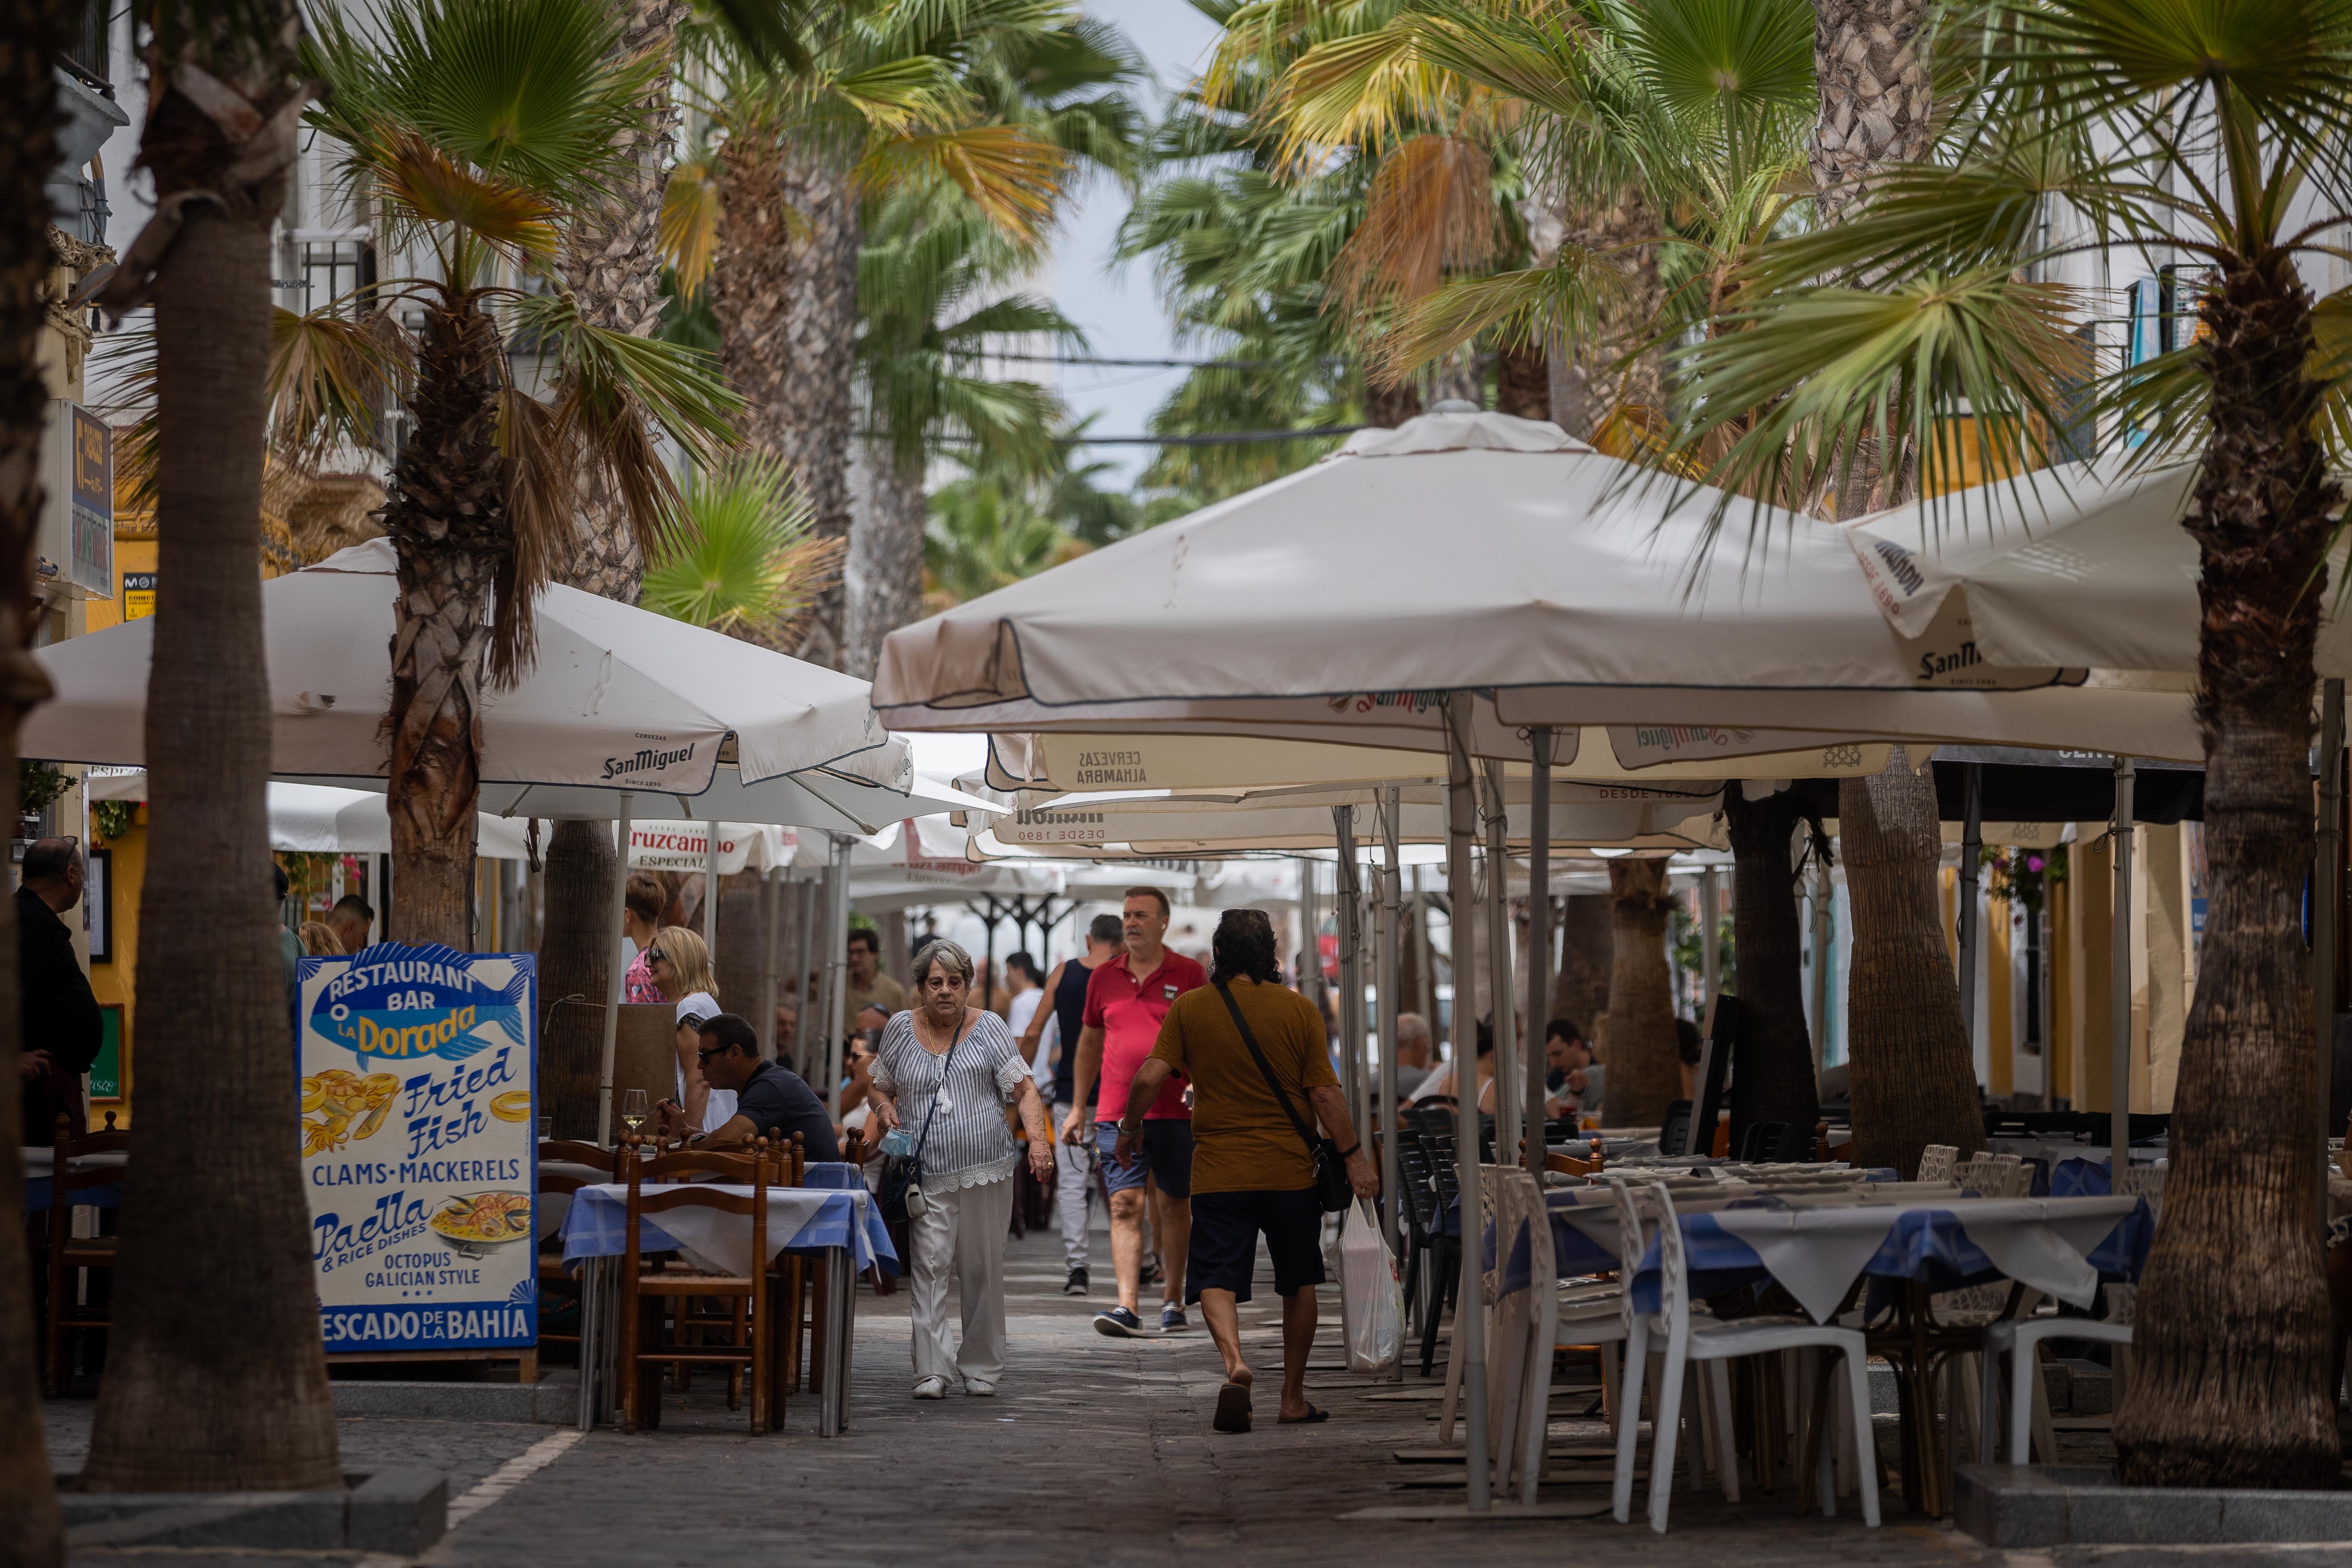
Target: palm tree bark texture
[(1774, 1080), (32, 34), (446, 518), (1580, 988), (784, 289), (612, 263), (1874, 97), (2232, 1328), (885, 575), (1643, 1061), (1914, 1075), (215, 1380)]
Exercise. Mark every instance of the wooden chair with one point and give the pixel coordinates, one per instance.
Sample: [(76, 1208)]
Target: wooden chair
[(1570, 1165), (69, 1255), (643, 1291)]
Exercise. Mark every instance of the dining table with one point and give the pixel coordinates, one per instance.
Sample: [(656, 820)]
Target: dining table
[(40, 1164), (832, 1217), (1892, 1244)]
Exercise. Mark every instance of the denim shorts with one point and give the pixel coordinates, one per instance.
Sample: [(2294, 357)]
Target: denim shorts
[(1164, 1152)]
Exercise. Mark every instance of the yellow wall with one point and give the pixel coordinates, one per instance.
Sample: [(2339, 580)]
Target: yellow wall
[(2058, 1063), (117, 980)]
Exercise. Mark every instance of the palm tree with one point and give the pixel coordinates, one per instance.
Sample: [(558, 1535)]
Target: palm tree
[(985, 533), (2220, 132), (474, 126), (1672, 133), (222, 1389), (929, 267), (32, 33), (745, 563), (883, 96)]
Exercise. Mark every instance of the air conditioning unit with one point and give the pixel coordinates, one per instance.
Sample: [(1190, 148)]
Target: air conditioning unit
[(75, 547)]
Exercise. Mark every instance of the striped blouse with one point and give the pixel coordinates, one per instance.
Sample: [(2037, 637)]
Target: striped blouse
[(969, 1142)]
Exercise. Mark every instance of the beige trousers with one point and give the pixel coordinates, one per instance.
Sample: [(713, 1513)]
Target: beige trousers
[(961, 1233)]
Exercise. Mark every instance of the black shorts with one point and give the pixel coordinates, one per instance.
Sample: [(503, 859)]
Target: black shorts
[(1164, 1152), (1225, 1228)]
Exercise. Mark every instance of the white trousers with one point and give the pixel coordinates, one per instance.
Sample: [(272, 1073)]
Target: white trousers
[(961, 1233), (1074, 1181)]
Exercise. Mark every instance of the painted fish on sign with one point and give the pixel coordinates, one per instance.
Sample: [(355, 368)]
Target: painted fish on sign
[(411, 1002)]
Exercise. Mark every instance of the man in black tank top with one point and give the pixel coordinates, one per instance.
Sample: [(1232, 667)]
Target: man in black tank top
[(1066, 1000)]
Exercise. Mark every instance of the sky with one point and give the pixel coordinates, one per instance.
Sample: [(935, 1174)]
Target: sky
[(1116, 306)]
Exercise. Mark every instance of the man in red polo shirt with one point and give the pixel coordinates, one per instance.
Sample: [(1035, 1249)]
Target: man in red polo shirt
[(1126, 1000)]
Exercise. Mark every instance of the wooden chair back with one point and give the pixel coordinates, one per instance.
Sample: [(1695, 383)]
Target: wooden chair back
[(751, 1166), (636, 1285), (1569, 1165)]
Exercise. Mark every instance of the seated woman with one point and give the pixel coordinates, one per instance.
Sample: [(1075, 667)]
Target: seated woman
[(1439, 1089)]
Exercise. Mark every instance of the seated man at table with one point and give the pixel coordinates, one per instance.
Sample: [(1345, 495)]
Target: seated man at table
[(771, 1101)]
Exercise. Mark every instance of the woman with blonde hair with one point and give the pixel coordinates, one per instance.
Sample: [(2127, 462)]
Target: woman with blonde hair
[(318, 940), (680, 965)]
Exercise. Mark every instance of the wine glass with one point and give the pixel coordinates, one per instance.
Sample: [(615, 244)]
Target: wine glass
[(633, 1108), (546, 1128)]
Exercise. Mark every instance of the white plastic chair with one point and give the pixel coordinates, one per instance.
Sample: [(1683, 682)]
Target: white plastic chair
[(1935, 1162), (1680, 1337), (2020, 1340)]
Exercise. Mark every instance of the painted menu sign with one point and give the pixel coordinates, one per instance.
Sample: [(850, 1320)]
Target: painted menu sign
[(419, 1147)]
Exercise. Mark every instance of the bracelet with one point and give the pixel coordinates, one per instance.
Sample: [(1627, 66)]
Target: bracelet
[(1350, 1149)]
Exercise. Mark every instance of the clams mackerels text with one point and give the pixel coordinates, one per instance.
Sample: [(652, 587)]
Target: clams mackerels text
[(332, 1100)]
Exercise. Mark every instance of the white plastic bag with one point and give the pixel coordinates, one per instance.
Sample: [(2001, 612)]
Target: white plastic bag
[(1371, 1296)]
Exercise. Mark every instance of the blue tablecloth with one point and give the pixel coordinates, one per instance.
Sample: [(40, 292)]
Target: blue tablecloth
[(1929, 1246), (808, 1217)]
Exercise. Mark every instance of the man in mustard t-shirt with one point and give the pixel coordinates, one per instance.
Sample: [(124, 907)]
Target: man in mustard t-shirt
[(1252, 1173)]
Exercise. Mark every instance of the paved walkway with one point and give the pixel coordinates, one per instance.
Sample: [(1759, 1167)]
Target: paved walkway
[(1095, 1452)]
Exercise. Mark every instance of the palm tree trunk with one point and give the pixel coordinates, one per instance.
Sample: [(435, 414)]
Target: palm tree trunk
[(31, 36), (1389, 407), (2231, 1329), (1586, 384), (576, 953), (613, 267), (612, 263), (1875, 98), (215, 1380), (785, 292), (1643, 1061), (1914, 1077), (1579, 987), (446, 520), (1775, 1078), (889, 571), (1523, 382)]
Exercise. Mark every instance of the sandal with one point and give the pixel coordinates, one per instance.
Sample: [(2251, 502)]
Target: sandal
[(1312, 1416), (1232, 1408)]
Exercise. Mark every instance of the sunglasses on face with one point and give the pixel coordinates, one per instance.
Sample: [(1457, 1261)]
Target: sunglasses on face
[(655, 955), (705, 1053)]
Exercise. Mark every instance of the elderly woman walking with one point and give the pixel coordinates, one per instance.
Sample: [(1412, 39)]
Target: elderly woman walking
[(953, 1067)]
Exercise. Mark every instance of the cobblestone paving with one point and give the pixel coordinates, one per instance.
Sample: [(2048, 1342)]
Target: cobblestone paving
[(1096, 1451)]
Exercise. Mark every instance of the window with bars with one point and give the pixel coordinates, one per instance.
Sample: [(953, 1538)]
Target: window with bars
[(336, 273)]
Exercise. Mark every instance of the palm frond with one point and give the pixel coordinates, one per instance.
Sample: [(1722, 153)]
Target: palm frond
[(745, 562), (689, 228), (333, 379), (1431, 211), (1006, 172), (1577, 297)]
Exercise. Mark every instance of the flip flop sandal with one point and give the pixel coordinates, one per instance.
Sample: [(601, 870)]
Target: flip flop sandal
[(1232, 1408), (1312, 1416)]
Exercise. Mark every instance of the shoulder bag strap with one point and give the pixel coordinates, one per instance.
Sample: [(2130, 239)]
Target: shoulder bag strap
[(944, 1065), (1306, 1133)]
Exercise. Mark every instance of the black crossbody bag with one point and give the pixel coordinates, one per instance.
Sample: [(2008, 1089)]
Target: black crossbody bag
[(902, 1173), (1333, 1191)]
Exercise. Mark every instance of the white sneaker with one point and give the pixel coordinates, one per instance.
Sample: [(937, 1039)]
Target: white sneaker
[(931, 1388), (979, 1390)]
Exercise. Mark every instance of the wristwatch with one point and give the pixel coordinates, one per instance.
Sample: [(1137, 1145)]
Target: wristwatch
[(1124, 1128)]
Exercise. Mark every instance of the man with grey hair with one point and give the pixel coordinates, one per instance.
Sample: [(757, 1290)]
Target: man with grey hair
[(1412, 1055)]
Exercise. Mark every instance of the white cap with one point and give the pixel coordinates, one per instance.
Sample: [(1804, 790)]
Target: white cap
[(701, 1007)]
